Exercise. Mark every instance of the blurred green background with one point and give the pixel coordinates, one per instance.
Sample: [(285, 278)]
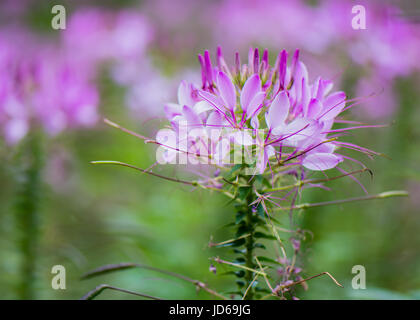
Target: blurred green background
[(97, 215)]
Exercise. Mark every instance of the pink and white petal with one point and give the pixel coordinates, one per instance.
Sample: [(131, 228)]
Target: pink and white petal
[(169, 142), (278, 111), (215, 119), (185, 94), (315, 87), (214, 125), (255, 104), (193, 120), (315, 145), (172, 110), (214, 100), (221, 152), (270, 151), (243, 138), (255, 123), (298, 129), (251, 88), (306, 96), (202, 106), (226, 90), (301, 72), (194, 127), (324, 87), (262, 161), (333, 105), (314, 108), (321, 161), (327, 147), (167, 137)]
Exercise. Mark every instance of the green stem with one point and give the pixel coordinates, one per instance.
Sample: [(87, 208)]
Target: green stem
[(249, 248), (26, 212)]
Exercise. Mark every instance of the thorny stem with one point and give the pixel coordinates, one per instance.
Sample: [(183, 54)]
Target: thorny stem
[(249, 248), (27, 212)]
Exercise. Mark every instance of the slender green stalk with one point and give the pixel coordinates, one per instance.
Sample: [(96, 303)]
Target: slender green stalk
[(27, 212), (249, 250)]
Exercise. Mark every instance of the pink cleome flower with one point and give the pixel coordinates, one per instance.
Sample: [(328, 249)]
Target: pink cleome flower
[(275, 110)]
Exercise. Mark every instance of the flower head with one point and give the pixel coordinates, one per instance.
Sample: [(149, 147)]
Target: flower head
[(273, 110)]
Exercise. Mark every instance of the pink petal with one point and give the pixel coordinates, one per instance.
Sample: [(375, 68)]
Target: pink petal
[(333, 105), (221, 152), (214, 125), (251, 87), (301, 72), (226, 90), (321, 161), (243, 138), (193, 120), (283, 68), (314, 108), (215, 101), (171, 110), (255, 104), (185, 94), (168, 139), (202, 106), (324, 88), (301, 128), (278, 111), (306, 95)]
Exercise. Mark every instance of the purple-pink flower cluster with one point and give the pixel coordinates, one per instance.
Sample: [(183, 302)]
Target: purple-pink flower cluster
[(275, 110), (41, 86), (51, 83)]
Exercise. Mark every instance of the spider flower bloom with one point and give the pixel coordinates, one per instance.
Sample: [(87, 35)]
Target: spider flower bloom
[(275, 110), (43, 86)]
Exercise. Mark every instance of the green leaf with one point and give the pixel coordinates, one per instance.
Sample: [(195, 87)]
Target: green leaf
[(268, 260), (259, 245), (239, 260), (238, 242), (260, 210), (224, 245), (242, 230), (230, 175), (240, 273), (240, 216), (243, 192), (264, 290), (263, 235)]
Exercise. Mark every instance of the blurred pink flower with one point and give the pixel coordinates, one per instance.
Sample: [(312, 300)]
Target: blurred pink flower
[(98, 35), (379, 101), (39, 85)]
